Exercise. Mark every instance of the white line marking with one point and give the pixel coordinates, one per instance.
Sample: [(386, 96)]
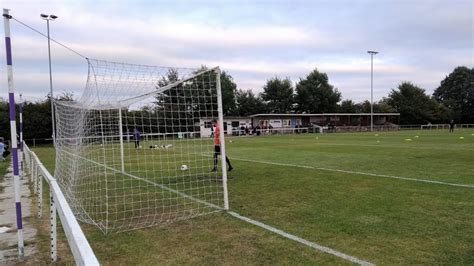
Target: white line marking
[(301, 240), (243, 218), (401, 146), (358, 173)]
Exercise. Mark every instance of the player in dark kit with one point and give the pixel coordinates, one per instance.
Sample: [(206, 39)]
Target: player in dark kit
[(217, 148), (451, 126), (136, 137)]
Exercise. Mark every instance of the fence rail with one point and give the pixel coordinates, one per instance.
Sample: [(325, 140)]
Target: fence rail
[(435, 126), (81, 250), (275, 131)]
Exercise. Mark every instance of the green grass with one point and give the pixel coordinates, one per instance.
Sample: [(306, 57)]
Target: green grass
[(379, 219)]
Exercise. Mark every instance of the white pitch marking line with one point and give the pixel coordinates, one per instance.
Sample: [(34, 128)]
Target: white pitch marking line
[(301, 240), (295, 142), (359, 173)]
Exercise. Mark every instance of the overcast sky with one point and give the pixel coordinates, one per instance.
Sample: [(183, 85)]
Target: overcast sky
[(419, 41)]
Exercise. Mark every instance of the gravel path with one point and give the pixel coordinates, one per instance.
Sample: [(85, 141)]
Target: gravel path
[(8, 235)]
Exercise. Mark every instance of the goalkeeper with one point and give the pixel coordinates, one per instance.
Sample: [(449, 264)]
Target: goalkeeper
[(217, 147)]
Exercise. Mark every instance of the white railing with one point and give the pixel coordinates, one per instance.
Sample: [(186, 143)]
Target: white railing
[(81, 250), (273, 131), (435, 126)]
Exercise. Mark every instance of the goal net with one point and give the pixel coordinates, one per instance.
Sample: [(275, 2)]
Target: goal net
[(129, 152)]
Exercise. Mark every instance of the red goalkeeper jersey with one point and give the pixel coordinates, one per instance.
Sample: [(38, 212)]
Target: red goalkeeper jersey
[(217, 140)]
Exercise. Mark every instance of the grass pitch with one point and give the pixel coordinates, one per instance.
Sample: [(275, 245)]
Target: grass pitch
[(336, 190)]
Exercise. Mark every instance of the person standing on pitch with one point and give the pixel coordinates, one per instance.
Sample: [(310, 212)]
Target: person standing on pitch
[(217, 147), (451, 126), (136, 137)]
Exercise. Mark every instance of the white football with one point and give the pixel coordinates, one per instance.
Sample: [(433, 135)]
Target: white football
[(184, 167)]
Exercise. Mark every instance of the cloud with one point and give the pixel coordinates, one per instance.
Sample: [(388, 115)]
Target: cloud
[(253, 41)]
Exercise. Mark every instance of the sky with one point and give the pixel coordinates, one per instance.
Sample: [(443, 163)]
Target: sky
[(418, 41)]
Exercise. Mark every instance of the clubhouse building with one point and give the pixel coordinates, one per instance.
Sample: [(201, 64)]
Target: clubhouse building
[(281, 123)]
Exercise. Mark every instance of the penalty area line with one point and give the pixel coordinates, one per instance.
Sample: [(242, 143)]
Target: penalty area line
[(358, 173), (301, 240)]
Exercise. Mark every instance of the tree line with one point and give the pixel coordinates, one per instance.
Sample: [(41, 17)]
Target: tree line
[(452, 99), (36, 116)]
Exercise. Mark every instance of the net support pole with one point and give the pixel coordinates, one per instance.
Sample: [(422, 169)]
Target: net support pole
[(122, 164), (221, 137), (14, 144)]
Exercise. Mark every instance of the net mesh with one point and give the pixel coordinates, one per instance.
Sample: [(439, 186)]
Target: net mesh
[(129, 152)]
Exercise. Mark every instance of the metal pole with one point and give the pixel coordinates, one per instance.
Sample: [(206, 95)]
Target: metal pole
[(121, 141), (372, 53), (222, 140), (51, 85), (14, 144), (21, 138), (371, 92)]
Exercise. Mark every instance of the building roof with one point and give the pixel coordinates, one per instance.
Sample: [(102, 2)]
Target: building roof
[(228, 117), (329, 114)]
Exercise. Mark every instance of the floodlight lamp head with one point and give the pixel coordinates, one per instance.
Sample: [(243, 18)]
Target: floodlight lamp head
[(372, 52), (53, 16), (44, 16)]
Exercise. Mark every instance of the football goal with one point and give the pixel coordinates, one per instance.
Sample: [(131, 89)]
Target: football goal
[(129, 152)]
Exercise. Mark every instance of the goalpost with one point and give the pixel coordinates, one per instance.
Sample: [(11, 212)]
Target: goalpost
[(129, 152)]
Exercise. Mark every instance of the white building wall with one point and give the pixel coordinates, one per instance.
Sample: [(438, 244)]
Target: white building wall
[(206, 131)]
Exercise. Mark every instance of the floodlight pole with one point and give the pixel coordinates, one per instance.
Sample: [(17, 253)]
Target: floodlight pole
[(48, 18), (13, 139), (372, 53)]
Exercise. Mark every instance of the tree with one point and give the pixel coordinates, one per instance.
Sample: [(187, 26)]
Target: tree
[(315, 95), (278, 95), (382, 106), (347, 106), (37, 119), (456, 92), (229, 89), (174, 106), (248, 103), (414, 106), (363, 107), (4, 120)]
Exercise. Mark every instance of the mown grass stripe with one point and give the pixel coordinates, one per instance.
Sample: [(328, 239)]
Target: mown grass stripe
[(301, 240), (358, 173)]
